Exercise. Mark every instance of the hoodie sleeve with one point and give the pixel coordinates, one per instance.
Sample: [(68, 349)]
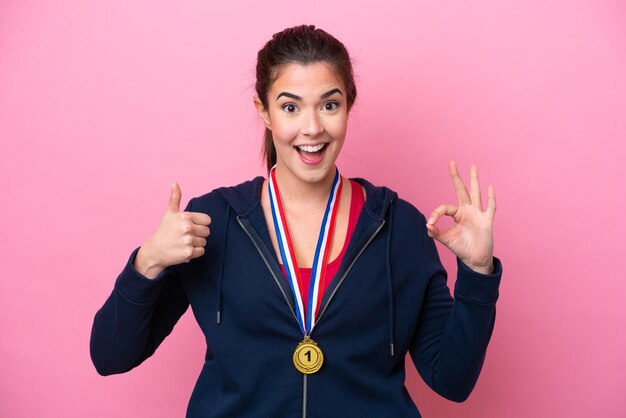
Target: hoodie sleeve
[(135, 319), (452, 336)]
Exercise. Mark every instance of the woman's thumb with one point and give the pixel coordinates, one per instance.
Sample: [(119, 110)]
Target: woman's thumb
[(174, 203)]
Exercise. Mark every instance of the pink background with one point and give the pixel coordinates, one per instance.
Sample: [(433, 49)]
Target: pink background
[(102, 104)]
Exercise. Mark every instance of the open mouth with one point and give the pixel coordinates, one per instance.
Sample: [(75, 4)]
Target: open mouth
[(311, 149)]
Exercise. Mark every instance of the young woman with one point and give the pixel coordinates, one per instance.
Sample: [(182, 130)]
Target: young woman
[(310, 288)]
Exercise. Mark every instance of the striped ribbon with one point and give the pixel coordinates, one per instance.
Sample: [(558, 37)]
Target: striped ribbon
[(306, 320)]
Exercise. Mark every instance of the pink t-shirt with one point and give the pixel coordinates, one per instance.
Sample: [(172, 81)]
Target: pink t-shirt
[(356, 204)]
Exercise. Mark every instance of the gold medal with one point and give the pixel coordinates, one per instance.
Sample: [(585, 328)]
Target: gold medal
[(308, 357)]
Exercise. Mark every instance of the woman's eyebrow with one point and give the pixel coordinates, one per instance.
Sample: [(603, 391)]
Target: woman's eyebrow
[(290, 95), (296, 97), (330, 93)]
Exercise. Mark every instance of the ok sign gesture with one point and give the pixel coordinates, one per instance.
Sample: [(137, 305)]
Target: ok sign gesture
[(471, 236)]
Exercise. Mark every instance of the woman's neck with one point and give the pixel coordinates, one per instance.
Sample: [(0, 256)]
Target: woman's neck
[(296, 191)]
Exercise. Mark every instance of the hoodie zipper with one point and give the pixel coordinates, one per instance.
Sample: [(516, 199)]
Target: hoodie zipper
[(330, 298), (258, 248), (332, 295), (304, 385)]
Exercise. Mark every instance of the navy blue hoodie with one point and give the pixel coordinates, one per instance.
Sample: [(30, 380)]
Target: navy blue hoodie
[(389, 297)]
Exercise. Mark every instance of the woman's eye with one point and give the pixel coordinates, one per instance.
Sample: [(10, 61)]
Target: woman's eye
[(331, 106), (289, 108)]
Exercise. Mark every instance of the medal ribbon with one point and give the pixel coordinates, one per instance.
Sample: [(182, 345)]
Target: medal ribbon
[(306, 320)]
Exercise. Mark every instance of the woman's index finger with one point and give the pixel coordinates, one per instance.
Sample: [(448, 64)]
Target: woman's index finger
[(200, 218)]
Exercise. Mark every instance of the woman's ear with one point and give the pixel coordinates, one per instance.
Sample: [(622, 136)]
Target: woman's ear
[(262, 112)]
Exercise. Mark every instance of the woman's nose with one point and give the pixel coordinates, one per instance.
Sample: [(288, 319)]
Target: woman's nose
[(312, 125)]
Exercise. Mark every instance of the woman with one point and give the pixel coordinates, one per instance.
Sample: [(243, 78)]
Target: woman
[(303, 320)]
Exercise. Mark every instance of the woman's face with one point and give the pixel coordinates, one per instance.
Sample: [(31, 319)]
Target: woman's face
[(307, 113)]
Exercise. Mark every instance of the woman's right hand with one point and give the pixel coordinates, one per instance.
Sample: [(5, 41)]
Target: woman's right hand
[(180, 237)]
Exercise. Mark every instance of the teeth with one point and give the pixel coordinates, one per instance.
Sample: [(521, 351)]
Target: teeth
[(310, 148)]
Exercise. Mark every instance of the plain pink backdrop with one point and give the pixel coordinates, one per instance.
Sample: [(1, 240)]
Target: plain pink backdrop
[(102, 104)]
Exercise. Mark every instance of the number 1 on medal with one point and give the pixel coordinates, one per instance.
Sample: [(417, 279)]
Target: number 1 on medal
[(308, 357)]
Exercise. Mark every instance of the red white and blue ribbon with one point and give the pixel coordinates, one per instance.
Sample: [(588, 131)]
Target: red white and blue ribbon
[(306, 320)]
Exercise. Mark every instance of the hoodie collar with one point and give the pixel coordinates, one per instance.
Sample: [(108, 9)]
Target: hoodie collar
[(245, 197)]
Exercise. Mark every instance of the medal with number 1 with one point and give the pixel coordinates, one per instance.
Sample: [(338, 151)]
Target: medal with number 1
[(308, 357)]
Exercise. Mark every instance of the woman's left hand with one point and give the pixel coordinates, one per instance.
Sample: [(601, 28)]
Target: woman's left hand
[(471, 236)]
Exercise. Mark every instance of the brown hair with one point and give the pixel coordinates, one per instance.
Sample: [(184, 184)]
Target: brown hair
[(305, 45)]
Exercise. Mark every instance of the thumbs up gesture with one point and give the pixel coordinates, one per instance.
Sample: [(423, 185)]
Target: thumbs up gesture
[(180, 237)]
